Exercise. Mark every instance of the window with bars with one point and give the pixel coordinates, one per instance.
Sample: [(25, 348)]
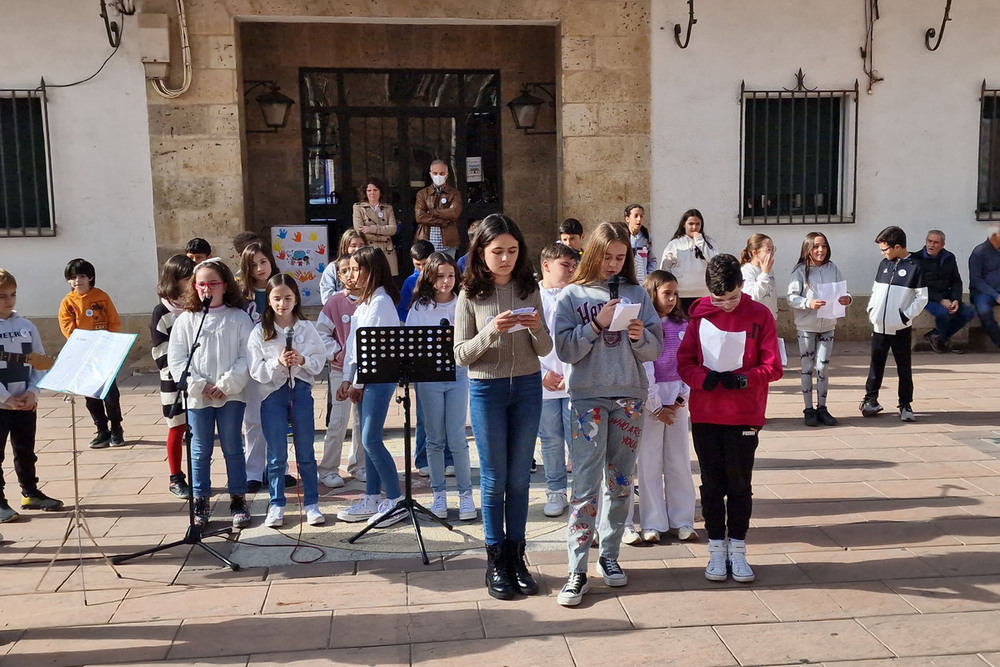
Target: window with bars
[(798, 162), (988, 199), (25, 178)]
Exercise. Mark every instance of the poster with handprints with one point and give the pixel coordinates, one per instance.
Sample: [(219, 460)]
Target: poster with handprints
[(300, 251)]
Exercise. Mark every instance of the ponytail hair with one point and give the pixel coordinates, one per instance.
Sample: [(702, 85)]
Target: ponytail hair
[(754, 243)]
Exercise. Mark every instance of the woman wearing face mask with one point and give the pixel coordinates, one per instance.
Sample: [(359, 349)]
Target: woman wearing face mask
[(377, 221), (687, 255)]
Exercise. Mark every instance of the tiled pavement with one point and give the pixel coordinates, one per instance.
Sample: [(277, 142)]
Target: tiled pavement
[(875, 543)]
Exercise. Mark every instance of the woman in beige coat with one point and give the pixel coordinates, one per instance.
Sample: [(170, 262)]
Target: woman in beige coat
[(377, 221)]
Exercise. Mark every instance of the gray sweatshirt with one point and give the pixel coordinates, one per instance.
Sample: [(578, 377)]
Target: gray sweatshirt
[(606, 364), (800, 293)]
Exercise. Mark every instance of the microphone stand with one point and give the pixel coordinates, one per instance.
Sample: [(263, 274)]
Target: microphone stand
[(195, 534)]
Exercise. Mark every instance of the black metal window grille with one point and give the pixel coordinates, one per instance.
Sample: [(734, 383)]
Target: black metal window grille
[(798, 155), (988, 199), (26, 206)]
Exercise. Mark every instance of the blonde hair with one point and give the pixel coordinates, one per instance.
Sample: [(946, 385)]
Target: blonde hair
[(754, 243), (7, 279), (589, 269)]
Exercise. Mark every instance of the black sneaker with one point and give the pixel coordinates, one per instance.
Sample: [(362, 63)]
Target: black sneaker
[(824, 417), (809, 417), (36, 500), (611, 572), (870, 407), (572, 593), (240, 512), (290, 481), (534, 466), (180, 488), (101, 440), (6, 513), (117, 437), (934, 340)]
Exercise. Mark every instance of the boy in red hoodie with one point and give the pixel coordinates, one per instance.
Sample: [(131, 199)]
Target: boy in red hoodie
[(728, 357)]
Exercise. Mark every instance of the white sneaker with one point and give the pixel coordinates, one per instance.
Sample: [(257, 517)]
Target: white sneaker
[(275, 516), (313, 516), (738, 562), (363, 509), (333, 480), (385, 510), (630, 536), (686, 533), (439, 506), (360, 475), (449, 471), (906, 414), (651, 536), (717, 557), (556, 504), (467, 507), (424, 472)]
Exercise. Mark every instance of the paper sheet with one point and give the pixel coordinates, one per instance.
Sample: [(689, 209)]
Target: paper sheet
[(721, 350), (624, 313), (88, 363), (520, 311), (831, 293)]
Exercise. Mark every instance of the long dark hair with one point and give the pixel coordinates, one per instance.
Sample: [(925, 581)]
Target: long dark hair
[(232, 297), (423, 293), (175, 270), (267, 320), (652, 284), (642, 228), (681, 231), (805, 253), (372, 260), (589, 269), (478, 279), (246, 266)]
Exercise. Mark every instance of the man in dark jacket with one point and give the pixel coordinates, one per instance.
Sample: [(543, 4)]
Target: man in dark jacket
[(944, 292), (437, 210), (984, 281)]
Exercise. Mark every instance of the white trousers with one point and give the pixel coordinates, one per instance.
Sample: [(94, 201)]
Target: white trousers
[(666, 489), (333, 442)]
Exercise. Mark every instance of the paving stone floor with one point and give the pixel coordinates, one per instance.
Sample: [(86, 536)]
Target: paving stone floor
[(875, 543)]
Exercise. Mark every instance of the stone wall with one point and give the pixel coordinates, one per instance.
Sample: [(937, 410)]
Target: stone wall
[(603, 92)]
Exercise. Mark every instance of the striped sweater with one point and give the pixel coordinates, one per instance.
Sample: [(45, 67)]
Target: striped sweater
[(164, 315)]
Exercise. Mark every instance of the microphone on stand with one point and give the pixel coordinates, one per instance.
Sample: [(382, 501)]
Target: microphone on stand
[(445, 322), (206, 302), (613, 286)]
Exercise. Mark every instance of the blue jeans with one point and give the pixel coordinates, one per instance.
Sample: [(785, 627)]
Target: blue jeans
[(229, 421), (555, 433), (505, 415), (275, 411), (420, 442), (380, 468), (984, 308), (947, 325), (444, 407)]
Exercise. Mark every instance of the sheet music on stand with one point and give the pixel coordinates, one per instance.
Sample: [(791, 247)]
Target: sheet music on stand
[(88, 363)]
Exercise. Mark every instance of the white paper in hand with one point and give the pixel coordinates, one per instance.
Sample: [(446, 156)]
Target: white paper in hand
[(520, 311), (624, 313), (721, 350), (831, 293)]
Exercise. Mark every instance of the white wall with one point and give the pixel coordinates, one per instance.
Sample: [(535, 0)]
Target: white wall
[(100, 155), (919, 129)]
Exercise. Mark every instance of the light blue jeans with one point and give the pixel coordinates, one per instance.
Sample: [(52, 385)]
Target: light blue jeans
[(229, 421), (555, 433), (444, 406), (505, 414), (275, 411), (380, 468)]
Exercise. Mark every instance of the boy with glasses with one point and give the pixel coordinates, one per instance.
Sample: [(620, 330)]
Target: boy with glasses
[(898, 296)]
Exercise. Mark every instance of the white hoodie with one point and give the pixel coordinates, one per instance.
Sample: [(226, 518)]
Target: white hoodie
[(680, 259)]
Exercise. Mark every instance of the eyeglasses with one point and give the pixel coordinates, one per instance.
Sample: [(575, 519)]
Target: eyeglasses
[(212, 284)]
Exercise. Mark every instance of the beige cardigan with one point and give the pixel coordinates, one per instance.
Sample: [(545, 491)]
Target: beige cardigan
[(378, 230)]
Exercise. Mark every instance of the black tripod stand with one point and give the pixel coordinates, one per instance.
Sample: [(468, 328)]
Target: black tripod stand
[(403, 355), (195, 534)]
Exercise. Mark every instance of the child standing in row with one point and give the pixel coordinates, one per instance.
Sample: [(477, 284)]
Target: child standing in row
[(173, 290), (687, 255), (666, 489), (18, 402), (815, 333), (607, 386), (286, 354), (376, 308), (571, 234), (90, 308), (351, 241), (639, 240), (443, 404), (501, 349), (757, 267), (334, 327), (558, 265), (218, 377)]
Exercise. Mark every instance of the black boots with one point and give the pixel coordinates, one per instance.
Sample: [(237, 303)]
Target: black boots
[(498, 573), (523, 582)]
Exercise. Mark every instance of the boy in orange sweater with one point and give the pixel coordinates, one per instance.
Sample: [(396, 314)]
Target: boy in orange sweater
[(89, 308)]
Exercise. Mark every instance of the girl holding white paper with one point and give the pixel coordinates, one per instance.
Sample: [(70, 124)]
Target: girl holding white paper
[(814, 273), (607, 387)]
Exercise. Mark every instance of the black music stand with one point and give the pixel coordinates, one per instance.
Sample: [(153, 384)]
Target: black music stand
[(403, 355)]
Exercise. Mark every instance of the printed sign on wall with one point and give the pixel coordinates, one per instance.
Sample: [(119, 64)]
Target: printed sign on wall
[(300, 251)]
